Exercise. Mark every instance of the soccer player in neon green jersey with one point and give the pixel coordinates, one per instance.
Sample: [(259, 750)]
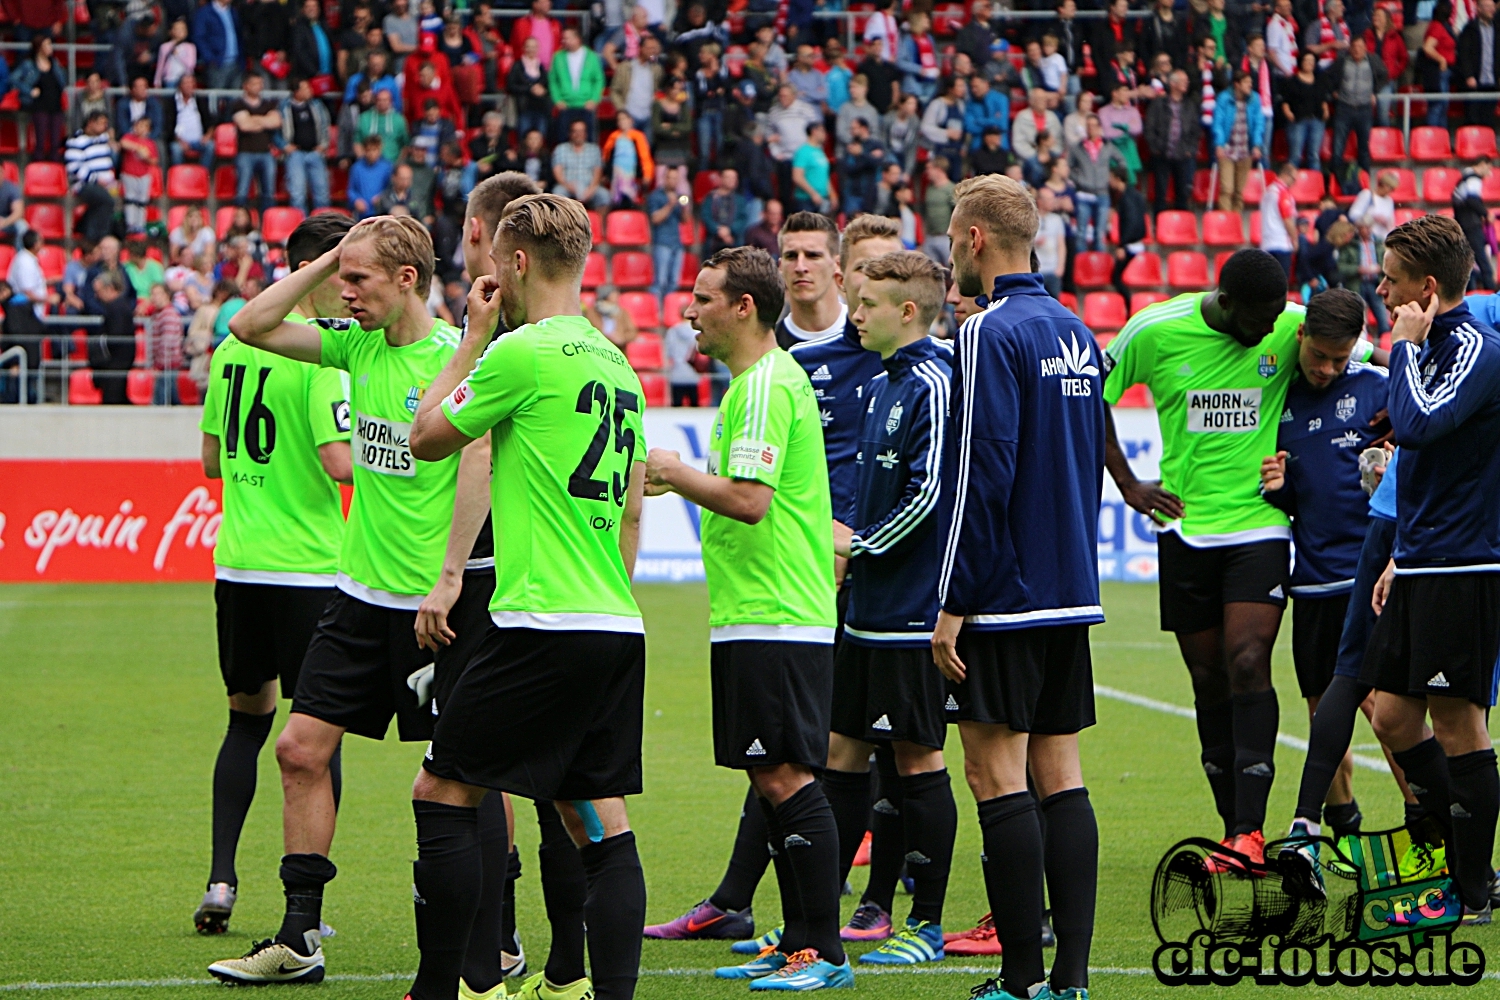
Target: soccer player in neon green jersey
[(363, 664), (277, 432), (768, 556), (1218, 364), (550, 705)]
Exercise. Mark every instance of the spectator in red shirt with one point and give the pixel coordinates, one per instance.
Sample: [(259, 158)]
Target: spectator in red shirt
[(164, 347), (1389, 45), (539, 25), (438, 87), (1439, 53)]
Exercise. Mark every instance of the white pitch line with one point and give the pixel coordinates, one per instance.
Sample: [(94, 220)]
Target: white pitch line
[(1285, 739)]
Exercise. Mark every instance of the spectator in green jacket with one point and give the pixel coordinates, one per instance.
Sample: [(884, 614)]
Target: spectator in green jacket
[(577, 83), (385, 121)]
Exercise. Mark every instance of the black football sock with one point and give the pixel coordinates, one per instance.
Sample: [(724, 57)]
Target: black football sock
[(565, 891), (811, 844), (303, 877), (614, 914), (794, 926), (336, 774), (931, 825), (1013, 882), (887, 833), (1216, 740), (446, 885), (1426, 771), (1343, 819), (1327, 742), (1476, 804), (509, 940), (1072, 863), (848, 794), (481, 964), (234, 787), (747, 861), (1256, 717)]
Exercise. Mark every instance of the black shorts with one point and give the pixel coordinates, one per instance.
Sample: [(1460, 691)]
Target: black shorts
[(1317, 626), (1033, 680), (889, 693), (1195, 584), (772, 702), (264, 630), (1438, 634), (356, 670), (546, 715), (469, 618)]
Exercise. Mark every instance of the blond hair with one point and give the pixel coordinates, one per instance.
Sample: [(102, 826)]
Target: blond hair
[(554, 232), (867, 227), (919, 276), (400, 241), (1000, 205)]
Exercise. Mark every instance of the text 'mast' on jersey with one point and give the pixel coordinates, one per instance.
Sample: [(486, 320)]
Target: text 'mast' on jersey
[(1025, 456)]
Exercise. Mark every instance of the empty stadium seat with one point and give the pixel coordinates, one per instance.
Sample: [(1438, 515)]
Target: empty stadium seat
[(1220, 258), (225, 182), (1202, 181), (54, 261), (1406, 188), (1475, 142), (226, 141), (1103, 311), (1438, 183), (672, 307), (644, 353), (1187, 269), (11, 172), (1092, 269), (1177, 229), (1069, 301), (1308, 187), (1255, 187), (593, 270), (45, 180), (333, 210), (7, 254), (1140, 300), (1386, 145), (1491, 191), (1405, 215), (223, 219), (139, 384), (689, 270), (187, 182), (187, 390), (705, 182), (47, 219), (81, 391), (1429, 144), (596, 226), (1223, 229), (627, 229), (279, 223), (1143, 271), (631, 269), (655, 388), (642, 308)]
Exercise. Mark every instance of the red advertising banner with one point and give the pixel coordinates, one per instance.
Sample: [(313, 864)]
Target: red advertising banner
[(96, 520)]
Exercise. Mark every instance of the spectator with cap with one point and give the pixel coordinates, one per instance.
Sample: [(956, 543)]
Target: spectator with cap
[(990, 157)]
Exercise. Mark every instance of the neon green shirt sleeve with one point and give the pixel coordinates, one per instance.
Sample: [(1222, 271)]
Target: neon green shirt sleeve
[(1130, 356), (758, 432), (213, 403), (503, 383), (328, 405)]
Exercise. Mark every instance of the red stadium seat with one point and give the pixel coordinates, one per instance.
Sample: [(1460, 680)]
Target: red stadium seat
[(187, 390), (1223, 229), (596, 226), (54, 261), (1475, 142), (1177, 229), (7, 254), (705, 182), (1405, 215), (47, 219), (45, 180), (1406, 188), (187, 182), (333, 210), (175, 215), (1093, 269), (1201, 182), (1255, 187), (139, 384), (81, 391), (672, 307), (1429, 144), (1103, 311), (1187, 269), (279, 223), (1069, 301), (593, 270), (1386, 145), (1143, 271), (1308, 187), (1140, 300), (644, 353), (627, 229), (226, 141), (1224, 255), (642, 308), (1491, 190), (947, 19), (1438, 184), (655, 388), (225, 182), (631, 269), (223, 220), (11, 172), (687, 232), (689, 271)]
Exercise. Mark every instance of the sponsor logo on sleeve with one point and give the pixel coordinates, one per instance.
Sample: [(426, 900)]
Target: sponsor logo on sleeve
[(334, 324), (1223, 411), (460, 396), (341, 416), (757, 456), (380, 446)]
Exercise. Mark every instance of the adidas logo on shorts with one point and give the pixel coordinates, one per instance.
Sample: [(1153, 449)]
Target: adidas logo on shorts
[(917, 858), (755, 749), (1260, 769), (951, 705), (1438, 681), (796, 840), (1457, 811), (885, 808), (1277, 593), (883, 723)]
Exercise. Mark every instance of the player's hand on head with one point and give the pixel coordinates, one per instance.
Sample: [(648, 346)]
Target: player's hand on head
[(1412, 322), (1273, 472), (1153, 501)]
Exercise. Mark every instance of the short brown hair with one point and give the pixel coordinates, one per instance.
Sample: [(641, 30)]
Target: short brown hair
[(753, 272), (1000, 205), (811, 222), (1337, 314), (400, 241), (490, 196), (1435, 245), (921, 280), (867, 227), (554, 231)]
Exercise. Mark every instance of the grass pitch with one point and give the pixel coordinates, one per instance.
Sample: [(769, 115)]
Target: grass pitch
[(113, 712)]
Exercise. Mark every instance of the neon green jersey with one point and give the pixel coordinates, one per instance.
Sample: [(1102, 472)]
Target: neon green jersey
[(772, 580), (403, 508), (563, 408), (283, 519), (1217, 402)]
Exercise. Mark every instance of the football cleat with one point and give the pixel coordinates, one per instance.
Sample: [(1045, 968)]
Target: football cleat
[(706, 922), (912, 945), (496, 992), (862, 856), (1301, 872), (768, 961), (1476, 918), (1422, 861), (979, 941), (212, 915), (1049, 938), (755, 946), (990, 990), (869, 923), (272, 962), (537, 988), (513, 964), (1071, 993), (806, 971), (1251, 845), (325, 932)]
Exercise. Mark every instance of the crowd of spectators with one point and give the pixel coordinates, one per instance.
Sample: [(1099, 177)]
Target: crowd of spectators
[(402, 106)]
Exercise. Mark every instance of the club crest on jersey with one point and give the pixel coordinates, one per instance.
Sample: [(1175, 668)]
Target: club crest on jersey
[(893, 419), (1267, 366), (1344, 408), (414, 397)]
